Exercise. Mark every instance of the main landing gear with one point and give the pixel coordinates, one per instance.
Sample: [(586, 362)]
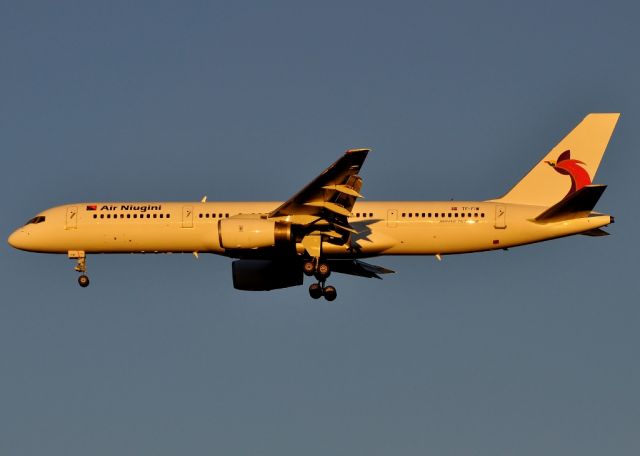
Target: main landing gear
[(81, 267), (321, 271)]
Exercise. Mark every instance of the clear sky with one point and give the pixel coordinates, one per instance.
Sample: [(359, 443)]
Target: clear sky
[(531, 351)]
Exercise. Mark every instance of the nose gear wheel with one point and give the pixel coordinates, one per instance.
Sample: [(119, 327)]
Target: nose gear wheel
[(81, 267)]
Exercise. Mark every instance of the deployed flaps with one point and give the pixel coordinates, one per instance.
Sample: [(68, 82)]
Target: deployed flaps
[(332, 207), (332, 194), (344, 189)]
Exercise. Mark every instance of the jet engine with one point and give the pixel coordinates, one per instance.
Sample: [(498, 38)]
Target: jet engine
[(263, 275), (251, 234)]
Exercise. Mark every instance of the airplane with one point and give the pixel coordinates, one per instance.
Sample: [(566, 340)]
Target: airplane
[(325, 228)]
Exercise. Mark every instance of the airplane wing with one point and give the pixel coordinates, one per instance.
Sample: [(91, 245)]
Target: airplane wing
[(358, 268), (332, 194)]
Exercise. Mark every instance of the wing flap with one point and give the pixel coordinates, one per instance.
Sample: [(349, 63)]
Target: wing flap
[(344, 189), (332, 207), (333, 193)]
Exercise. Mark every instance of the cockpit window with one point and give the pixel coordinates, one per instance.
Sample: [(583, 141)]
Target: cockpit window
[(36, 220)]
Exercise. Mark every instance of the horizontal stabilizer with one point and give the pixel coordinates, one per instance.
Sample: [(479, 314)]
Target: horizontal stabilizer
[(578, 204), (595, 232), (358, 268)]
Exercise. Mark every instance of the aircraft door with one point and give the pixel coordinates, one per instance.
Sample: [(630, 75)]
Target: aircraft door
[(187, 216), (392, 218), (72, 218), (501, 217)]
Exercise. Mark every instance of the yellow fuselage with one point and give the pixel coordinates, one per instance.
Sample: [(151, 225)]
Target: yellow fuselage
[(384, 228)]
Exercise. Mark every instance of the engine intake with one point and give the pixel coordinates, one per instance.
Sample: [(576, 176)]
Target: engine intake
[(252, 234)]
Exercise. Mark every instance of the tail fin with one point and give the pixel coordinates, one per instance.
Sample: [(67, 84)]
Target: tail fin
[(569, 166)]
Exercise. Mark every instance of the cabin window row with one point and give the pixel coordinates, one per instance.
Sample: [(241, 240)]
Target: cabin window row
[(213, 215), (363, 214), (443, 214), (129, 216)]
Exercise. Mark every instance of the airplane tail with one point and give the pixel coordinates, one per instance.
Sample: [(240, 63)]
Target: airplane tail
[(570, 166), (577, 205)]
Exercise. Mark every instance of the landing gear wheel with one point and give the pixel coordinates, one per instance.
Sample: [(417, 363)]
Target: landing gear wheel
[(323, 271), (315, 290), (83, 281), (330, 293), (309, 267)]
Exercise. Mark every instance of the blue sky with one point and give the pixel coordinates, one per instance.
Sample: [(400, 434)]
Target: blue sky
[(531, 351)]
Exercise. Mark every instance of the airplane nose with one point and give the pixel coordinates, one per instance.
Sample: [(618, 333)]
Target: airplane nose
[(18, 239)]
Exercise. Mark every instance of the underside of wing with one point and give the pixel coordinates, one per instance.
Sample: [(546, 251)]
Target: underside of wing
[(358, 268)]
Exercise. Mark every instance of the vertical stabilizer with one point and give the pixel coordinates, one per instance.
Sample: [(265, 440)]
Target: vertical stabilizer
[(569, 166)]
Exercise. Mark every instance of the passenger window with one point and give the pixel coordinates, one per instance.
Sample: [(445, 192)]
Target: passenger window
[(101, 215), (135, 215), (168, 215), (410, 214), (199, 215), (161, 215), (462, 215), (403, 214), (435, 214), (482, 215), (95, 215), (370, 214), (155, 215), (128, 215), (148, 215), (226, 215)]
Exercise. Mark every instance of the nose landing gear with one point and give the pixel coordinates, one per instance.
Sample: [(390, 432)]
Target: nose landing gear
[(83, 281), (81, 266)]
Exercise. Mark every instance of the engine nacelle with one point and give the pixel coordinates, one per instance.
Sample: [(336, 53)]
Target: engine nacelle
[(251, 234), (263, 275)]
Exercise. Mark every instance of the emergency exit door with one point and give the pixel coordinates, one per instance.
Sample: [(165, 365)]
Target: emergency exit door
[(72, 218), (392, 218), (187, 216), (501, 217)]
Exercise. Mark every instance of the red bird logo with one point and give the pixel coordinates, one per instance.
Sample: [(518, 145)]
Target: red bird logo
[(567, 166)]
